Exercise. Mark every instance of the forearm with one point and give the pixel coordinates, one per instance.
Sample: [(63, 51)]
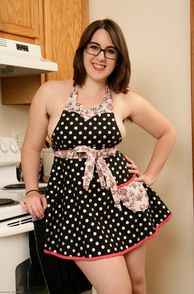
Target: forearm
[(30, 167), (160, 155)]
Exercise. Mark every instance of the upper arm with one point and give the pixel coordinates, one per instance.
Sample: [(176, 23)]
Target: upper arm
[(38, 119), (147, 117)]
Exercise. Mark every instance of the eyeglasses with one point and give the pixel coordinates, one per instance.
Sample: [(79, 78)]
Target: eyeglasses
[(94, 49)]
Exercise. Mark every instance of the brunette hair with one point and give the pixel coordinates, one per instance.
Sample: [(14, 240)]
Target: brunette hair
[(118, 81)]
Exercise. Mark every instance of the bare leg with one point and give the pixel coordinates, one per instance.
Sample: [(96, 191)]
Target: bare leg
[(108, 276), (135, 261)]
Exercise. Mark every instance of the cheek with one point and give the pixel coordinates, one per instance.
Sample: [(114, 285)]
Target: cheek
[(112, 66), (86, 58)]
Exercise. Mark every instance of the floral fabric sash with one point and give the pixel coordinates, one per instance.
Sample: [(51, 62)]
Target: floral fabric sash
[(132, 193)]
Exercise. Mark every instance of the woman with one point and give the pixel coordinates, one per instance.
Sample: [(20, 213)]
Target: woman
[(99, 210)]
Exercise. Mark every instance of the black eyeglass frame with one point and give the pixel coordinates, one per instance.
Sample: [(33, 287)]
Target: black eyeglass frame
[(102, 50)]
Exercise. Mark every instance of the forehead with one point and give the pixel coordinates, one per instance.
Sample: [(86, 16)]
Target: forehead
[(102, 37)]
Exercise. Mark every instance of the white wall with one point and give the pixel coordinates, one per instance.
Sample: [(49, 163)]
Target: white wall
[(13, 120), (157, 33), (158, 38)]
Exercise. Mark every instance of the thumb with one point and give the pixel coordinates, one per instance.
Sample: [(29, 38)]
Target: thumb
[(23, 205)]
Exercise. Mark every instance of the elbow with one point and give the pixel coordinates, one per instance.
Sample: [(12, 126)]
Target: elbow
[(170, 135), (24, 153), (22, 150), (173, 134), (29, 152)]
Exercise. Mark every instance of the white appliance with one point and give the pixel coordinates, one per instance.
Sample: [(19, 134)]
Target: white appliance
[(15, 223), (22, 59), (9, 159)]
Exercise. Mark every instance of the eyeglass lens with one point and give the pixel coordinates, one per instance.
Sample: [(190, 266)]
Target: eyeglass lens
[(95, 49)]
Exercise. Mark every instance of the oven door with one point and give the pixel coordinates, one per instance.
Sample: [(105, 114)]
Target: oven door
[(20, 270), (29, 277)]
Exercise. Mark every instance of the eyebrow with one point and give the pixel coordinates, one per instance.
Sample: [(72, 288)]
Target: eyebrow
[(111, 46)]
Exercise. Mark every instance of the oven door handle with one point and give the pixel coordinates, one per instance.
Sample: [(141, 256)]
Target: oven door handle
[(16, 226)]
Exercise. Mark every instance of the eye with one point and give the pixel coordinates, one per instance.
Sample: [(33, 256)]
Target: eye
[(93, 47), (111, 51)]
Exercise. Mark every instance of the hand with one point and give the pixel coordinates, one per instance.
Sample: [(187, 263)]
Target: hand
[(132, 168), (35, 204), (144, 178)]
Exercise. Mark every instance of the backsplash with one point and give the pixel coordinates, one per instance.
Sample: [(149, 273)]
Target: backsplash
[(13, 120)]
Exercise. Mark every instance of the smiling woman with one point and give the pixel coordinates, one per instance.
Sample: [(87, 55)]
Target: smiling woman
[(99, 210), (119, 79), (97, 64)]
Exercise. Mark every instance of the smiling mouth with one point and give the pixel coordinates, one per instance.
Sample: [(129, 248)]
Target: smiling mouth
[(98, 66)]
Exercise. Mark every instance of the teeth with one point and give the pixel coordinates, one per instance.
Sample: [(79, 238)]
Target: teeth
[(98, 66)]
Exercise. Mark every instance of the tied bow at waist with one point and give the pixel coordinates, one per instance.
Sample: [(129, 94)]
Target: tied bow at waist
[(107, 181), (94, 157)]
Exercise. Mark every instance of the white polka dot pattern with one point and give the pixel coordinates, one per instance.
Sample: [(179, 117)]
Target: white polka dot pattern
[(84, 224)]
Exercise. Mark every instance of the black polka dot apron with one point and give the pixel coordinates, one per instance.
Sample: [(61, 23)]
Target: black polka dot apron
[(95, 208)]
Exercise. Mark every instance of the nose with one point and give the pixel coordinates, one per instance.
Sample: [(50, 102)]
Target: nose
[(101, 54)]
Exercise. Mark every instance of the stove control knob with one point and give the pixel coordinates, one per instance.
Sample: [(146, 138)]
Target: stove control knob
[(3, 147), (14, 148)]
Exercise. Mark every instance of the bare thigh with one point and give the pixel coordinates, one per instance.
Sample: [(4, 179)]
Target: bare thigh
[(135, 261), (108, 276)]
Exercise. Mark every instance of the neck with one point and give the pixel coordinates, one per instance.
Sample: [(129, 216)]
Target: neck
[(93, 88), (91, 93)]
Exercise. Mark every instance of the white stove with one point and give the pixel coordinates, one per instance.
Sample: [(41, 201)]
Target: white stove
[(15, 222), (13, 218), (15, 227)]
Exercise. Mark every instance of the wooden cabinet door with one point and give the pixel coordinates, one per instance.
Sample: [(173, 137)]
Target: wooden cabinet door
[(64, 22), (61, 23), (20, 19)]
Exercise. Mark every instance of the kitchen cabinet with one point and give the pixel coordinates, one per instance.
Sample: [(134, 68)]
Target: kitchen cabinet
[(64, 23), (54, 24), (21, 20)]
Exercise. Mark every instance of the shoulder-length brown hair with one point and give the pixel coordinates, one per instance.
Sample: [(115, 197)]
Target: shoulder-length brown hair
[(118, 81)]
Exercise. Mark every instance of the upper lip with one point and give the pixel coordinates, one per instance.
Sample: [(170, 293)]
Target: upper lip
[(100, 64)]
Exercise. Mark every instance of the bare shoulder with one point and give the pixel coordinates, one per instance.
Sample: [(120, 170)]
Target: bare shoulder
[(52, 91), (142, 112), (129, 103), (134, 99), (55, 85), (53, 88), (139, 105)]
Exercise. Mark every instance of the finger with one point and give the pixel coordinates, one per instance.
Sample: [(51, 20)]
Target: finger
[(136, 172), (129, 160), (132, 166), (30, 210), (139, 179), (38, 209), (34, 205), (35, 211), (23, 205), (44, 202)]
